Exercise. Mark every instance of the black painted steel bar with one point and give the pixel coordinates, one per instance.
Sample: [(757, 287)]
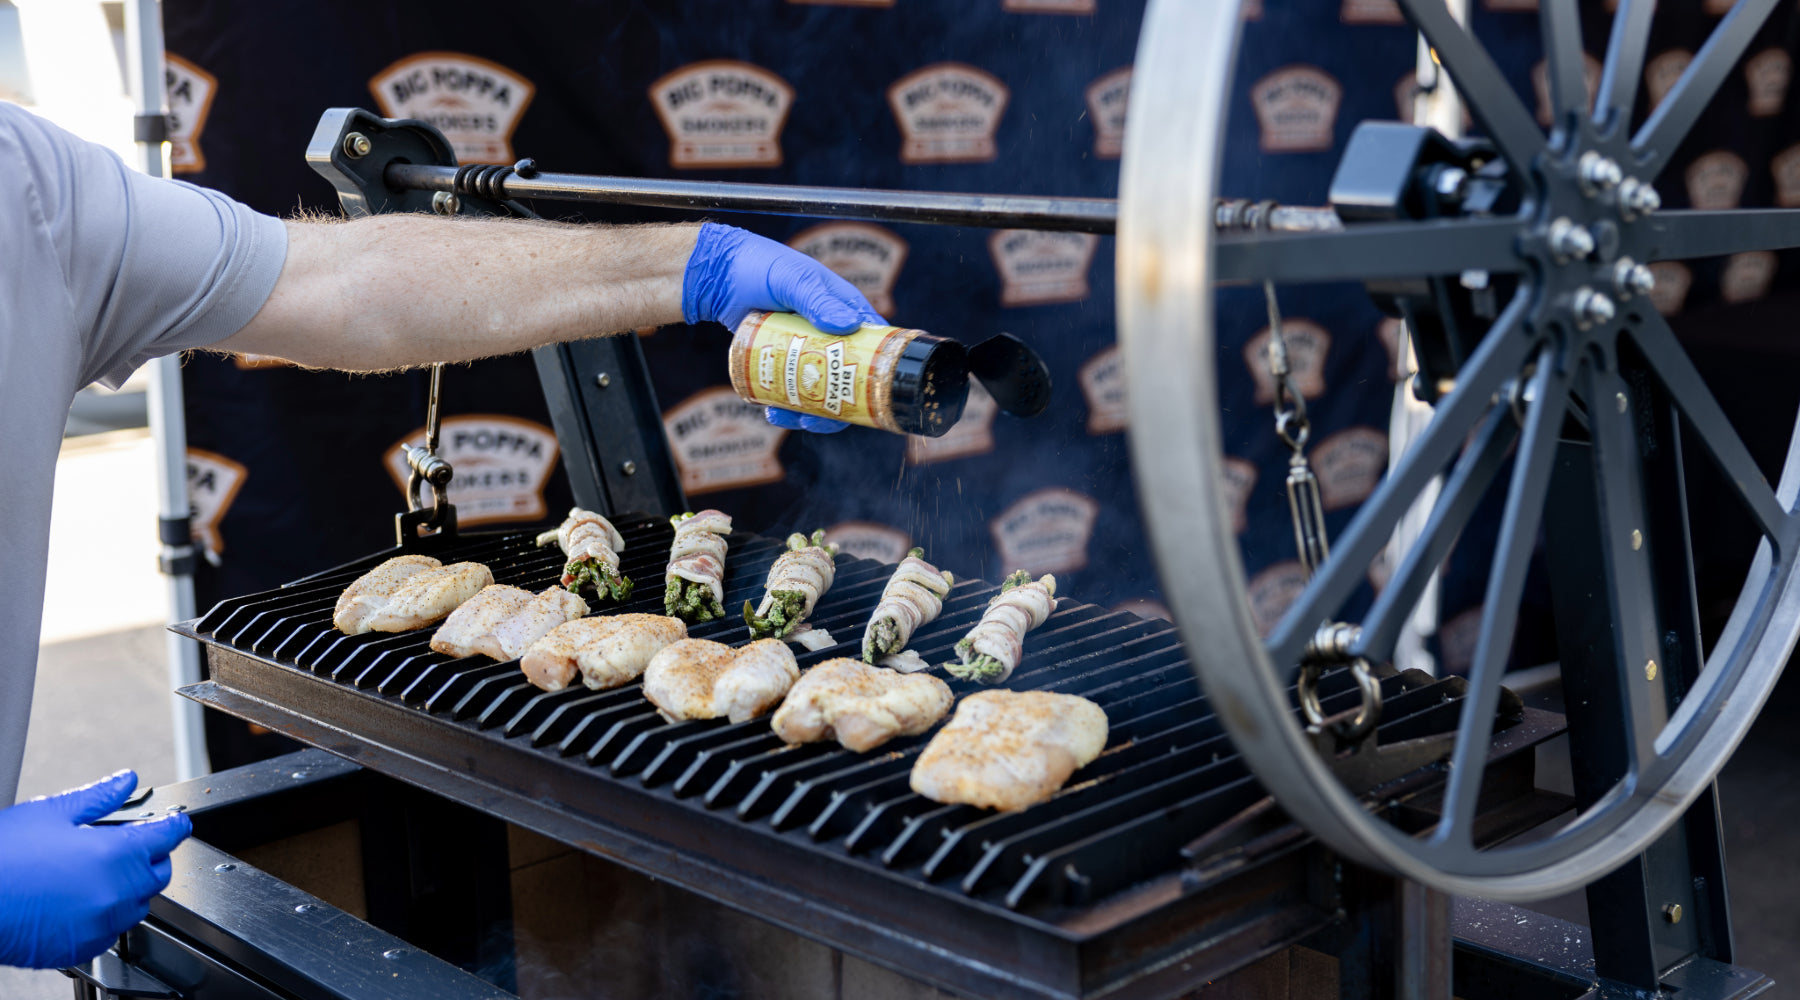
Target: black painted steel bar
[(992, 211), (1500, 356), (1371, 252), (1490, 98), (1506, 585), (1559, 23), (1462, 493), (1619, 486), (1676, 372), (1674, 117), (1686, 235), (1625, 51)]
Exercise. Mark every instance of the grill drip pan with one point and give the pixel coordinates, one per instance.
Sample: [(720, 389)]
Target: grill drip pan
[(1088, 894)]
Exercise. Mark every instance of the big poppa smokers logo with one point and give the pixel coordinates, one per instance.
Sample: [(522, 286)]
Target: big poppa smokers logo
[(948, 113), (1039, 268), (723, 113), (213, 482), (1046, 531), (865, 255), (190, 92), (1715, 180), (721, 442), (1107, 99), (1307, 345), (870, 540), (476, 103), (1296, 108), (501, 462), (1103, 383)]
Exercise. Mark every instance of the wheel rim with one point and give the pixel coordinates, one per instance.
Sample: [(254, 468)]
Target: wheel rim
[(1168, 260)]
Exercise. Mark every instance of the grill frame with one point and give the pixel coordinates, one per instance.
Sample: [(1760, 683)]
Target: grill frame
[(1164, 935)]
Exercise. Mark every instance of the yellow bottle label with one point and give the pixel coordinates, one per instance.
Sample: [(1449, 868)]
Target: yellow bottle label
[(792, 364)]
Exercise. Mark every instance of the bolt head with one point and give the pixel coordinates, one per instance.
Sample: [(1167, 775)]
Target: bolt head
[(445, 203), (305, 908), (357, 145), (628, 467), (603, 380), (1592, 308), (1637, 198), (1599, 173), (1569, 241), (1650, 670), (1672, 912), (1637, 539), (1624, 403)]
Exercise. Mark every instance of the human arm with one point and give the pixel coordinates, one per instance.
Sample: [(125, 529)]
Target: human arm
[(67, 889), (395, 290)]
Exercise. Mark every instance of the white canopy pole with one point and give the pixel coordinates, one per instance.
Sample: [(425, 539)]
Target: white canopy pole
[(168, 427)]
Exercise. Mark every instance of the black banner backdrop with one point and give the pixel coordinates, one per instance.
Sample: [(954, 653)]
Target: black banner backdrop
[(293, 471)]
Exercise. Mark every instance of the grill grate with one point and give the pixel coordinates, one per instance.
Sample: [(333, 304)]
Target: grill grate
[(1168, 775)]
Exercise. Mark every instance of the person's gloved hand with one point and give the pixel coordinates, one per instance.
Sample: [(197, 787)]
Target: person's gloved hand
[(68, 890), (732, 272)]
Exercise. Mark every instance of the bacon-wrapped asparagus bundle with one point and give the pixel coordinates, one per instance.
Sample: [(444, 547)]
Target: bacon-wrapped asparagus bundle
[(696, 574), (914, 596), (797, 580), (593, 546), (994, 646)]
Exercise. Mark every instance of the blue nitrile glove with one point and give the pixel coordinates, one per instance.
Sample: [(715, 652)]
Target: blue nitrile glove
[(68, 890), (732, 272)]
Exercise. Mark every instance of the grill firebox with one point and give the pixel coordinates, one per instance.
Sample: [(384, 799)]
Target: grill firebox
[(1090, 893)]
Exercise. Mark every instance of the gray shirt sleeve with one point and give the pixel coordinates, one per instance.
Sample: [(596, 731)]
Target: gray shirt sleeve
[(150, 266)]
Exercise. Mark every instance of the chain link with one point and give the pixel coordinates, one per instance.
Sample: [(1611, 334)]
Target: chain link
[(1334, 640)]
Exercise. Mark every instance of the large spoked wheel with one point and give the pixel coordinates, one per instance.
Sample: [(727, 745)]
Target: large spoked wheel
[(1552, 359)]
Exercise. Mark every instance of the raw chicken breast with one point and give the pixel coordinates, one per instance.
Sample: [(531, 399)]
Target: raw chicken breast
[(1010, 749), (469, 629), (862, 706), (512, 637), (407, 593), (607, 652), (701, 679)]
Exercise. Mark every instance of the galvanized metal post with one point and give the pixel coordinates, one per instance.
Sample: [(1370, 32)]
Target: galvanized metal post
[(168, 428)]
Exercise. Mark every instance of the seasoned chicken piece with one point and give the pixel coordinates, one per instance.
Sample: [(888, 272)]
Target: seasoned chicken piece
[(862, 706), (913, 596), (997, 642), (1010, 749), (413, 600), (695, 578), (700, 679), (470, 628), (371, 590), (513, 636), (621, 656), (607, 652), (799, 577), (593, 546)]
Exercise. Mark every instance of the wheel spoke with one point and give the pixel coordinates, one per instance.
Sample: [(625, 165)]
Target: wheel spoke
[(1625, 51), (1685, 386), (1490, 98), (1559, 22), (1371, 252), (1686, 235), (1619, 485), (1506, 583), (1499, 357), (1671, 120), (1464, 490)]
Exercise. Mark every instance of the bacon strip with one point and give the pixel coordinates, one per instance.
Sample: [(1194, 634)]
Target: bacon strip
[(914, 596), (796, 582), (696, 568), (996, 644), (593, 546)]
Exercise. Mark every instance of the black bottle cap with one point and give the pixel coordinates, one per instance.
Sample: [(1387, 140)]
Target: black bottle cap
[(931, 384), (1012, 373)]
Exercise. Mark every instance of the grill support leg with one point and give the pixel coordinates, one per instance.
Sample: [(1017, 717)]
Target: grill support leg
[(436, 874), (1668, 905)]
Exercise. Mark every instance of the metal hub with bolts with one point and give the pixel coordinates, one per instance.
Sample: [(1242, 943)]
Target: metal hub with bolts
[(1569, 251)]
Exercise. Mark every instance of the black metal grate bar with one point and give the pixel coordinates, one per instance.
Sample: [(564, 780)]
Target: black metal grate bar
[(1168, 775)]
